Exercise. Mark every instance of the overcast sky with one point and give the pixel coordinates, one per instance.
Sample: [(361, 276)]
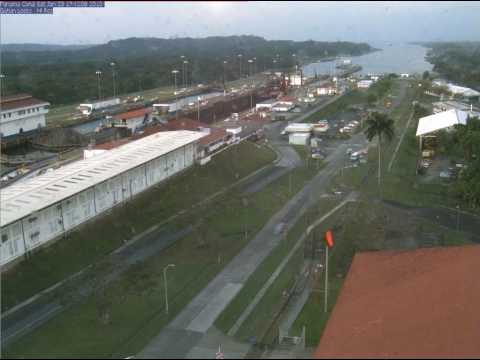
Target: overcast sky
[(353, 21)]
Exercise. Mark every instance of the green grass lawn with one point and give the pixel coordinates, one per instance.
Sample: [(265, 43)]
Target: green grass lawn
[(135, 300), (94, 240)]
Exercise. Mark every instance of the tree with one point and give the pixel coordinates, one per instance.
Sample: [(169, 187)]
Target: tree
[(426, 75), (381, 126)]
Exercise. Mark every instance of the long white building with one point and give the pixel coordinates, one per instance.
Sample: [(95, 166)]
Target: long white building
[(21, 114), (42, 208)]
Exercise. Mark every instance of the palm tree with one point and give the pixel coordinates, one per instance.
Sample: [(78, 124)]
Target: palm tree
[(379, 125)]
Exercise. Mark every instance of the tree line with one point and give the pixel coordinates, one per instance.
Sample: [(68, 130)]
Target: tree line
[(63, 77)]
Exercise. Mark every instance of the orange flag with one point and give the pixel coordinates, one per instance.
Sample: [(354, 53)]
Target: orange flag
[(329, 238)]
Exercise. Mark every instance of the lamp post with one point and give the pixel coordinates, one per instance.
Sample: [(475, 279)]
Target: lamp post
[(186, 73), (240, 62), (112, 64), (183, 69), (165, 284), (175, 72), (3, 84), (198, 107), (99, 73), (224, 67), (250, 62), (458, 217)]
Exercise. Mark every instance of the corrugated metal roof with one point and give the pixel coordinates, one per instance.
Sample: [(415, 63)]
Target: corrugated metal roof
[(441, 120), (19, 200)]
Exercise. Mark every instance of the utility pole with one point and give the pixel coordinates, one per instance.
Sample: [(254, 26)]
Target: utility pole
[(112, 64), (165, 284), (99, 73), (175, 72)]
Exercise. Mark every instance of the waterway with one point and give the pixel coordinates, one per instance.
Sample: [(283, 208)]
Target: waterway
[(392, 58)]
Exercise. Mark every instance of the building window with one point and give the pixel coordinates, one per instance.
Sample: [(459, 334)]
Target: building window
[(21, 112)]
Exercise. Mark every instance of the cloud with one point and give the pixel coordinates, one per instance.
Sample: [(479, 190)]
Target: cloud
[(354, 20)]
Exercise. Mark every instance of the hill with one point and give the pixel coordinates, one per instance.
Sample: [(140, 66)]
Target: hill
[(67, 75)]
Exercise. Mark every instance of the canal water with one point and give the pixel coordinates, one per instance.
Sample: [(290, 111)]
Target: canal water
[(392, 58)]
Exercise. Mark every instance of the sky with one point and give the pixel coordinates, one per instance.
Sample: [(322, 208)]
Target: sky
[(359, 21)]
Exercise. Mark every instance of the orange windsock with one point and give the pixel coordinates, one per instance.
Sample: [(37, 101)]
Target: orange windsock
[(329, 238)]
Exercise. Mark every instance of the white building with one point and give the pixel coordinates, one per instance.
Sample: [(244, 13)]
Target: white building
[(284, 104), (299, 138), (88, 108), (299, 128), (43, 208), (21, 114), (266, 105), (364, 84), (133, 119), (295, 80)]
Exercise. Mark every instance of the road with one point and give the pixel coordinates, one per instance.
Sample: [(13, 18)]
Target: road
[(190, 332)]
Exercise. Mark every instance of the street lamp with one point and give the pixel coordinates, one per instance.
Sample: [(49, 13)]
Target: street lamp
[(250, 62), (112, 64), (240, 60), (175, 72), (225, 62), (165, 284), (183, 69), (186, 73), (99, 73), (458, 217), (3, 84), (254, 65), (198, 107)]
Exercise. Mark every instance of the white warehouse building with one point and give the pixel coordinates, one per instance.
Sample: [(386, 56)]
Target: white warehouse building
[(42, 208), (21, 114)]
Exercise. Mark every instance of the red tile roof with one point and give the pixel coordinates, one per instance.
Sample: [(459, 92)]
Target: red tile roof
[(133, 114), (421, 303), (19, 101), (215, 135)]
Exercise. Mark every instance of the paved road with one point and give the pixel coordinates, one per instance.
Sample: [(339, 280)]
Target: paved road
[(181, 338)]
